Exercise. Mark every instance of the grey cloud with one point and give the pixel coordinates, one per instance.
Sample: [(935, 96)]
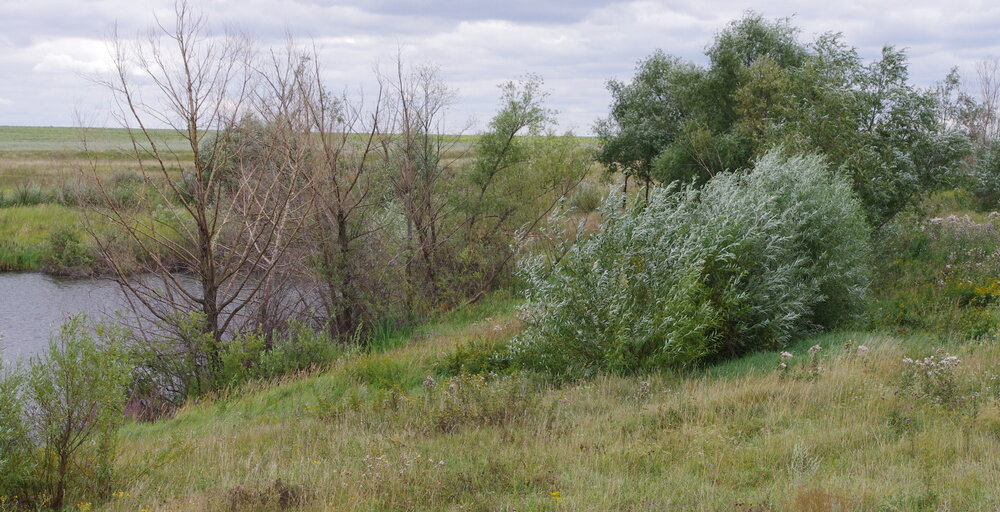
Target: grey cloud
[(575, 45), (521, 11)]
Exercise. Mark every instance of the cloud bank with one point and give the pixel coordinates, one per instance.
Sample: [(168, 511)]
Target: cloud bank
[(49, 47)]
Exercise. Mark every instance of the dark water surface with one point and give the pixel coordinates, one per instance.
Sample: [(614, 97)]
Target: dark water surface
[(34, 305)]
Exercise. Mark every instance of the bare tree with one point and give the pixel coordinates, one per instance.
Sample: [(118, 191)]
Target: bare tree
[(987, 122), (208, 242), (425, 163)]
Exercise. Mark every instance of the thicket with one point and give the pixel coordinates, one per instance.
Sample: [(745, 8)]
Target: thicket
[(676, 120), (59, 417), (749, 261)]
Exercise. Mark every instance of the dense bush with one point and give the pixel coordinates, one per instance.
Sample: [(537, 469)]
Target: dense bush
[(750, 261), (67, 254), (252, 356), (59, 417)]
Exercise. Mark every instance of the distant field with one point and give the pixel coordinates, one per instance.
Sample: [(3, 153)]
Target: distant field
[(31, 139), (51, 156)]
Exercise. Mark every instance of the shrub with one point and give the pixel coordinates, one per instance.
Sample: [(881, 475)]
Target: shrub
[(587, 197), (124, 177), (16, 458), (58, 419), (28, 195), (251, 356), (78, 392), (67, 253), (748, 262), (476, 357)]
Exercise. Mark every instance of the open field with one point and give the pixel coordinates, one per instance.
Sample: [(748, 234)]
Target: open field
[(51, 157), (40, 167), (393, 431)]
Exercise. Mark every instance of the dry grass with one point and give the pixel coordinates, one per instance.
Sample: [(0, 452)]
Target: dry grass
[(364, 435), (51, 157)]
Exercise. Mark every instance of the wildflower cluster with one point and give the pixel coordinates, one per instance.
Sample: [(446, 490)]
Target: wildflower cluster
[(783, 360), (934, 378)]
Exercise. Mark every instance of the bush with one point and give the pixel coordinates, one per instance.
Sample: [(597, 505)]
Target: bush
[(76, 393), (587, 197), (59, 417), (249, 357), (67, 253), (124, 177), (749, 262), (17, 463), (477, 358), (30, 194)]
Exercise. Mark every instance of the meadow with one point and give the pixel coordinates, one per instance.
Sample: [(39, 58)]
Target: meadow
[(898, 411), (844, 427)]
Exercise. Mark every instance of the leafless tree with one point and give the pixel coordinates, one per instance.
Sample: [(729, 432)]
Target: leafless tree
[(210, 241), (425, 160), (987, 120)]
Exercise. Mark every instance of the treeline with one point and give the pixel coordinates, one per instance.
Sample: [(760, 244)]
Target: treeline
[(345, 213), (769, 177), (764, 87)]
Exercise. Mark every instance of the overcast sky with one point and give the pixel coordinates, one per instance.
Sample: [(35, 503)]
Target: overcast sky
[(46, 46)]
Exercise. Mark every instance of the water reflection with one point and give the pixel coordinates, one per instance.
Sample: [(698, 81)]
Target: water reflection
[(33, 305)]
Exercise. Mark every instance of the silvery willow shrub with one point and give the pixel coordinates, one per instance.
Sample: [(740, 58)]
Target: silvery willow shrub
[(747, 262)]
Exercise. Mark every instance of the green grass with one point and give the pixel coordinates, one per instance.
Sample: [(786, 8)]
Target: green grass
[(369, 433), (31, 139), (24, 231)]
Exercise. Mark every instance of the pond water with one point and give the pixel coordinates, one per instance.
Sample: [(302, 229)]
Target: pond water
[(34, 305)]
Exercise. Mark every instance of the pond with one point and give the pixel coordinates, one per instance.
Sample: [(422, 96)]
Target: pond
[(34, 305)]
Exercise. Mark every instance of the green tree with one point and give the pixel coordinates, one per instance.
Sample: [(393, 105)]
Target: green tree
[(76, 393), (764, 88), (647, 115)]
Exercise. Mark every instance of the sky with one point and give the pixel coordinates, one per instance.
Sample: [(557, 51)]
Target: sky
[(50, 50)]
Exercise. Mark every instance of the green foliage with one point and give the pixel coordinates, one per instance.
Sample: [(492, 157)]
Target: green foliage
[(73, 395), (67, 253), (983, 178), (383, 373), (26, 194), (647, 114), (476, 357), (17, 457), (939, 275), (763, 87), (749, 262), (587, 198), (521, 169), (15, 257), (251, 356)]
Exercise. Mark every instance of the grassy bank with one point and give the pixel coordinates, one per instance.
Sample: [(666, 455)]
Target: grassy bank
[(389, 431), (24, 231)]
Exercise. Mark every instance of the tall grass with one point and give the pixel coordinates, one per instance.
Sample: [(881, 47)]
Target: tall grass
[(376, 433)]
